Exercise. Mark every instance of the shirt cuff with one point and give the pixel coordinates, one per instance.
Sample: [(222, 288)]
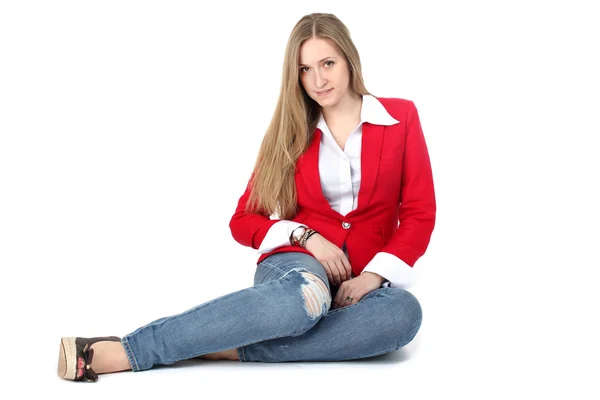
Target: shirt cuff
[(278, 235), (396, 272)]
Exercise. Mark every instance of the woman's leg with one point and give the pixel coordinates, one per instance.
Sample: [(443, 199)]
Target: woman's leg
[(382, 321), (290, 302)]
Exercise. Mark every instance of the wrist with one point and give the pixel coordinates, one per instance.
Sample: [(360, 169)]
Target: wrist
[(380, 278), (310, 235)]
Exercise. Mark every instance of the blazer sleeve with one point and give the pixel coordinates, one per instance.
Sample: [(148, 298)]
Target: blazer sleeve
[(417, 209), (278, 236), (249, 229)]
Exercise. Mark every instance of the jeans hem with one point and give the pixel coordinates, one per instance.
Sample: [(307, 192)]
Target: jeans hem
[(241, 356), (130, 357)]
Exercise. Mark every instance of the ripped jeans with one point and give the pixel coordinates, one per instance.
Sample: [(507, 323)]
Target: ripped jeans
[(285, 316)]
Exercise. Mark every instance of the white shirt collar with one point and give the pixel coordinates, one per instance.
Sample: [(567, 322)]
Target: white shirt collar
[(372, 111)]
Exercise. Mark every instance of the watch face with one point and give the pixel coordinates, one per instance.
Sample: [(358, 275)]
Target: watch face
[(299, 232)]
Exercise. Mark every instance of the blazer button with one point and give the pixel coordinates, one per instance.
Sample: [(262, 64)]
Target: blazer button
[(346, 225)]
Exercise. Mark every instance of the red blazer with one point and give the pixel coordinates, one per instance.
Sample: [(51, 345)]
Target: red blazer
[(396, 201)]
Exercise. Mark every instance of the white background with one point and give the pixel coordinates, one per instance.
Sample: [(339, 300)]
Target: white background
[(129, 130)]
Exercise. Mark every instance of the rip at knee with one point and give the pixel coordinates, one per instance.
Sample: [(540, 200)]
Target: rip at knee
[(316, 295)]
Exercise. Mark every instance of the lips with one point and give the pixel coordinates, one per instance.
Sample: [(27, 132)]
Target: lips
[(325, 92)]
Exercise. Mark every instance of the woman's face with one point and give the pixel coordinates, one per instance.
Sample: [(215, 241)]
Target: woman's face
[(323, 69)]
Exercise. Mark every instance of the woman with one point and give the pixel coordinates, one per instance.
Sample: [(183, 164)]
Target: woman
[(340, 168)]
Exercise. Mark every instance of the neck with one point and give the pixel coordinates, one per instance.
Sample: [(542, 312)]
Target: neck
[(347, 108)]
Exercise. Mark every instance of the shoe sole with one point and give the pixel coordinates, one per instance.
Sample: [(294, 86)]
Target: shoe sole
[(67, 358)]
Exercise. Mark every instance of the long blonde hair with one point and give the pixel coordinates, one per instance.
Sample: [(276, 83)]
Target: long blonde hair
[(295, 118)]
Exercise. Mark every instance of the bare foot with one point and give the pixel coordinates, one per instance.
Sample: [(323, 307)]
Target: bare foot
[(109, 357)]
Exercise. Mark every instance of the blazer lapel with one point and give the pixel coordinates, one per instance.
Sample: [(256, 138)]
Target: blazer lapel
[(310, 172), (372, 139)]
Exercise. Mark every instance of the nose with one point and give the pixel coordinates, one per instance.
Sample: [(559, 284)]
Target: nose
[(319, 79)]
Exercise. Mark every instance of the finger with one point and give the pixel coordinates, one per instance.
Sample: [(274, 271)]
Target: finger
[(338, 297), (349, 302), (340, 262), (326, 268), (342, 294), (334, 272), (347, 266), (340, 270), (344, 300), (329, 276)]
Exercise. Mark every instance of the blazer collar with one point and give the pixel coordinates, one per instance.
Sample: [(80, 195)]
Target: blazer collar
[(372, 111), (374, 119)]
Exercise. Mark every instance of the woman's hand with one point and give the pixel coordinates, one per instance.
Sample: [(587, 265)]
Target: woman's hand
[(356, 288), (331, 257)]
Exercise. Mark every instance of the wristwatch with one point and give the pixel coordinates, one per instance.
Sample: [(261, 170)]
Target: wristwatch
[(297, 235)]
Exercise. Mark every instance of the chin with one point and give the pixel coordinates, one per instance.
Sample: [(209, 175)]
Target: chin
[(328, 100), (330, 103)]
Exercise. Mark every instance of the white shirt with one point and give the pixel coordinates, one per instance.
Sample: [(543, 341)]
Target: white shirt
[(340, 174)]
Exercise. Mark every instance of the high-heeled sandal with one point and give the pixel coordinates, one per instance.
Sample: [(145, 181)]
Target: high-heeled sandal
[(75, 357)]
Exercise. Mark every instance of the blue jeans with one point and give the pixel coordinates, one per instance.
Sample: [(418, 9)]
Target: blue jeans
[(285, 316)]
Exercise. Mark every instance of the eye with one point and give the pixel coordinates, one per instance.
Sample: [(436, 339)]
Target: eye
[(302, 69), (327, 62)]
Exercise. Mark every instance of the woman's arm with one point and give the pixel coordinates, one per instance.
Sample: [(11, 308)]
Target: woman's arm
[(417, 209), (249, 229)]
